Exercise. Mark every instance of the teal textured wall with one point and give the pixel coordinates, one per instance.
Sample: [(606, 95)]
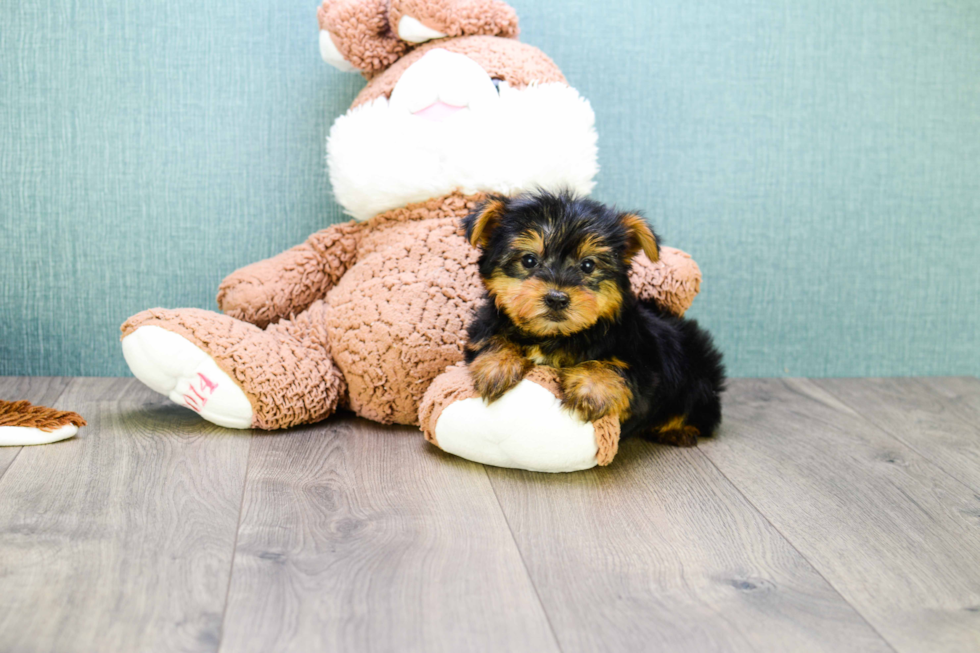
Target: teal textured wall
[(820, 159)]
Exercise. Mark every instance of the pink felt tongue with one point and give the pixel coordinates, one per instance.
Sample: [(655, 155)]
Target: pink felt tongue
[(438, 110)]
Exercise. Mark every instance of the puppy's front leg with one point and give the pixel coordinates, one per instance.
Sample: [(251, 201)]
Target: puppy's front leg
[(498, 367), (595, 389)]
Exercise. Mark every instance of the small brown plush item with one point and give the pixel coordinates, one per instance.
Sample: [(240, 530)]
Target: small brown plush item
[(22, 423), (372, 314), (23, 413)]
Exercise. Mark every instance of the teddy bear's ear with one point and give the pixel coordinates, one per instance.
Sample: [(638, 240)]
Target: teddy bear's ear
[(370, 35), (479, 224), (417, 21), (355, 35), (639, 236)]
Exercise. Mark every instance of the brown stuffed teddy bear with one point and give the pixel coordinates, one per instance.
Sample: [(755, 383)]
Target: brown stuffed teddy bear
[(371, 314)]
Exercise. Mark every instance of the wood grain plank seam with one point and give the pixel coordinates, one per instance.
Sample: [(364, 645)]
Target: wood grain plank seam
[(19, 449), (520, 554), (234, 546), (794, 547), (875, 425), (880, 429)]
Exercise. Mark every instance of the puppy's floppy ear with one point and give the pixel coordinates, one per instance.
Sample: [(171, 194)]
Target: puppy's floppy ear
[(480, 224), (639, 236)]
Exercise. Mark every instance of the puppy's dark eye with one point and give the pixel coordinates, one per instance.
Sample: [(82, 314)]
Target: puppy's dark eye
[(496, 83), (529, 261), (588, 265)]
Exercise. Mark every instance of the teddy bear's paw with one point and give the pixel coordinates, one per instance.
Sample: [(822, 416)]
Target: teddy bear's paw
[(23, 424), (175, 367), (672, 282), (527, 428)]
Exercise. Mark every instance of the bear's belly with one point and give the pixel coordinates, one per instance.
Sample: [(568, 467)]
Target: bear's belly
[(398, 318)]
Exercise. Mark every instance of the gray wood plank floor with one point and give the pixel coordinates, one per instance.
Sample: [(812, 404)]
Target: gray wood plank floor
[(897, 536), (355, 537), (120, 540), (828, 515)]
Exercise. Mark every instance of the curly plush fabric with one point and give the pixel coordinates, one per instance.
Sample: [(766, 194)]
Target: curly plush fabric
[(267, 291), (512, 61), (674, 281), (286, 371), (399, 316), (25, 414), (606, 439), (458, 17), (362, 33)]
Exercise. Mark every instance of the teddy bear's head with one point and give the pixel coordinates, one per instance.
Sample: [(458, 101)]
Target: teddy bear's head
[(453, 103)]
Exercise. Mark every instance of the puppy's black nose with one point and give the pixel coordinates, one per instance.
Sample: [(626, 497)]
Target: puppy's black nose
[(556, 300)]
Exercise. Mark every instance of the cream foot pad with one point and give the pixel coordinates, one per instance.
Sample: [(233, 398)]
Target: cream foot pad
[(22, 424), (527, 428), (175, 367)]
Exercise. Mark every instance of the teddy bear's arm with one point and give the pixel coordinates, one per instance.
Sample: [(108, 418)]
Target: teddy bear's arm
[(269, 290), (673, 281)]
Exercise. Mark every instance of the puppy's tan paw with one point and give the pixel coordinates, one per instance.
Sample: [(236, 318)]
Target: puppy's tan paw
[(498, 370), (676, 433), (595, 389)]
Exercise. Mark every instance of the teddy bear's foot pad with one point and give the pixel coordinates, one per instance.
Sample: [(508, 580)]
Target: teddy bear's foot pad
[(21, 436), (527, 428), (175, 367), (22, 424)]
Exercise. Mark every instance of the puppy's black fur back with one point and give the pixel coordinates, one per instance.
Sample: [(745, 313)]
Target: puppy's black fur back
[(683, 374)]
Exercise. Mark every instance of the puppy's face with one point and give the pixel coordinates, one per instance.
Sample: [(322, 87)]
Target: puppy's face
[(554, 264)]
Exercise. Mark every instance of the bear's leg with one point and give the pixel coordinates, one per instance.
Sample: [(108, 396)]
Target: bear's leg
[(527, 428), (233, 373)]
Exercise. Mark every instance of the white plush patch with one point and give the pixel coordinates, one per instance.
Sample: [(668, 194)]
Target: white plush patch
[(381, 156), (447, 76), (412, 30), (19, 436), (527, 428), (330, 54), (173, 366)]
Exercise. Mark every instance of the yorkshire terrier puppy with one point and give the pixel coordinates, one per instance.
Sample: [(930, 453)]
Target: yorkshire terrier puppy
[(558, 293)]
